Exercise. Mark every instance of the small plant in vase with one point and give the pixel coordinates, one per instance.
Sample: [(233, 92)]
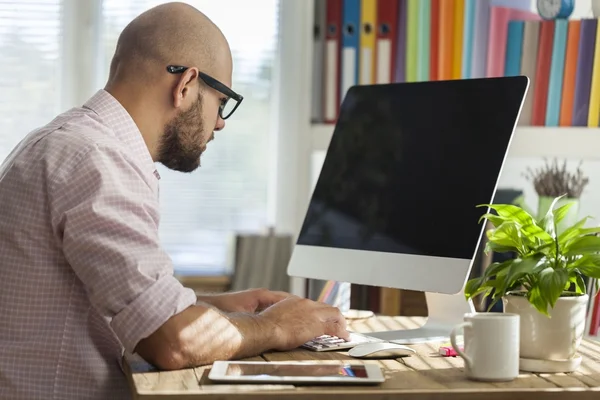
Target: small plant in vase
[(553, 180), (546, 283)]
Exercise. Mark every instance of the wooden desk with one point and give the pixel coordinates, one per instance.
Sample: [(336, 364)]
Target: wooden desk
[(425, 376)]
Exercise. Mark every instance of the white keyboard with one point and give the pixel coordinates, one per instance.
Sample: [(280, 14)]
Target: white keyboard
[(328, 343)]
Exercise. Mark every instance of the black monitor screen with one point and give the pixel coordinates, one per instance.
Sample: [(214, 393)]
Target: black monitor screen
[(409, 162)]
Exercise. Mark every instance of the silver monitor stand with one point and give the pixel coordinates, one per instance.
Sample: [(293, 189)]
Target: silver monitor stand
[(445, 312)]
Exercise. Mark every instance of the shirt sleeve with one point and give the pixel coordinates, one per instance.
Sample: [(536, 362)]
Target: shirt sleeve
[(105, 214)]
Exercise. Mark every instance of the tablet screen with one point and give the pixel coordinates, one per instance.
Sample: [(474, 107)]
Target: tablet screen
[(314, 370)]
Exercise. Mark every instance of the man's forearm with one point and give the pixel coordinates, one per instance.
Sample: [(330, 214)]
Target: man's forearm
[(220, 336), (201, 335)]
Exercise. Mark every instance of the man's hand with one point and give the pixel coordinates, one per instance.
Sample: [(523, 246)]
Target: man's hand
[(298, 320), (250, 301)]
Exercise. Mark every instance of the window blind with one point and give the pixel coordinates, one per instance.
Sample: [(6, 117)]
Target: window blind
[(202, 211), (30, 67)]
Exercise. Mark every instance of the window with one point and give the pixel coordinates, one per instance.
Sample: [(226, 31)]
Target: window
[(200, 211), (228, 193), (30, 66)]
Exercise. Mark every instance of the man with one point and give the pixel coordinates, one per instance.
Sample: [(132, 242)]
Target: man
[(83, 276)]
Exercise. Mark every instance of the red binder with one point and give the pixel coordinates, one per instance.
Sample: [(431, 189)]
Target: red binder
[(387, 31), (434, 41), (542, 73), (331, 76)]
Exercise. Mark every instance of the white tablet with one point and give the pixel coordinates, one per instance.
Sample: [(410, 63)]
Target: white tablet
[(295, 372)]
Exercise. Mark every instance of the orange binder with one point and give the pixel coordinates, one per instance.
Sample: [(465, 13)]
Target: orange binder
[(568, 95), (457, 38)]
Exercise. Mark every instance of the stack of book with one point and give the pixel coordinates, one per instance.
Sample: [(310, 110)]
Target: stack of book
[(381, 41)]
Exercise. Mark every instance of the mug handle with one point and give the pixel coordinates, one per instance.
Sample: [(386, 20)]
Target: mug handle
[(458, 328)]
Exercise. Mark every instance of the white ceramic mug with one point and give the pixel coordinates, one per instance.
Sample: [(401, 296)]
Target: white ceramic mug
[(491, 345)]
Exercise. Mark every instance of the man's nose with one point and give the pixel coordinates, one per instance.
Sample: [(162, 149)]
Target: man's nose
[(220, 124)]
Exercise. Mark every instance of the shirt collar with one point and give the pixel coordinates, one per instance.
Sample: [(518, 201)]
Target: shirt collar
[(116, 117)]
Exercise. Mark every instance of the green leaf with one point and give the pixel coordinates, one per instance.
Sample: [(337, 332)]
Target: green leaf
[(580, 286), (535, 298), (548, 249), (561, 212), (533, 230), (507, 235), (472, 287), (542, 264), (497, 267), (552, 284), (493, 218), (588, 259), (582, 245), (511, 213), (518, 269), (572, 231), (576, 279), (592, 271), (496, 248)]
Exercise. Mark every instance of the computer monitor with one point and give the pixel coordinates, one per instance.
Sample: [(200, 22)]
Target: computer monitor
[(395, 204)]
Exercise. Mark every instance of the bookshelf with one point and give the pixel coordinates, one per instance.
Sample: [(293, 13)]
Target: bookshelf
[(529, 141), (298, 140)]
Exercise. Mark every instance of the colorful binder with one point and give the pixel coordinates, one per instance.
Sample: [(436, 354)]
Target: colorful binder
[(568, 95), (400, 72), (468, 39), (514, 47), (594, 112), (557, 67), (531, 35), (387, 32), (319, 29), (412, 44), (542, 73), (368, 14), (446, 42), (457, 38), (434, 39), (350, 45), (332, 70), (423, 40), (585, 64)]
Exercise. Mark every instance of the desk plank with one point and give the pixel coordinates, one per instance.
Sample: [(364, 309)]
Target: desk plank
[(146, 379)]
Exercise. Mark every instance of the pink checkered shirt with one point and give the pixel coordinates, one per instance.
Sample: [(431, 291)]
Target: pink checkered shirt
[(83, 276)]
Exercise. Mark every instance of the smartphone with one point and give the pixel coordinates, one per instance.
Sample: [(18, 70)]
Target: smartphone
[(295, 372)]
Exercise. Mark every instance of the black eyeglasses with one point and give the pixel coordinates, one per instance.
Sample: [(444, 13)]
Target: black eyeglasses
[(227, 107)]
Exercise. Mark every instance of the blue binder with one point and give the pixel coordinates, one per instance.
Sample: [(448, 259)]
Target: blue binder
[(350, 45)]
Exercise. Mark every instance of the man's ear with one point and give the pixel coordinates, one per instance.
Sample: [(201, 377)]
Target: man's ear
[(184, 86)]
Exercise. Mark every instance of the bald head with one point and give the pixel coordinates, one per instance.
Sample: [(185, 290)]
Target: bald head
[(172, 33)]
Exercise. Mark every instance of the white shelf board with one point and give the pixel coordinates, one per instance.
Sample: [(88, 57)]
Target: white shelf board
[(529, 141)]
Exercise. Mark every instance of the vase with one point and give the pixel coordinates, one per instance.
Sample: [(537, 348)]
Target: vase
[(544, 203), (554, 338)]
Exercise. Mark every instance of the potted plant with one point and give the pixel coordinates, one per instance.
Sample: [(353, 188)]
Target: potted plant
[(553, 180), (547, 280)]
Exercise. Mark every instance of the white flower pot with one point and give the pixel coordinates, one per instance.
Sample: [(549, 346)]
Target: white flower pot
[(555, 338)]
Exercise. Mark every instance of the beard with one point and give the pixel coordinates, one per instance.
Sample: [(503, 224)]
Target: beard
[(182, 143)]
